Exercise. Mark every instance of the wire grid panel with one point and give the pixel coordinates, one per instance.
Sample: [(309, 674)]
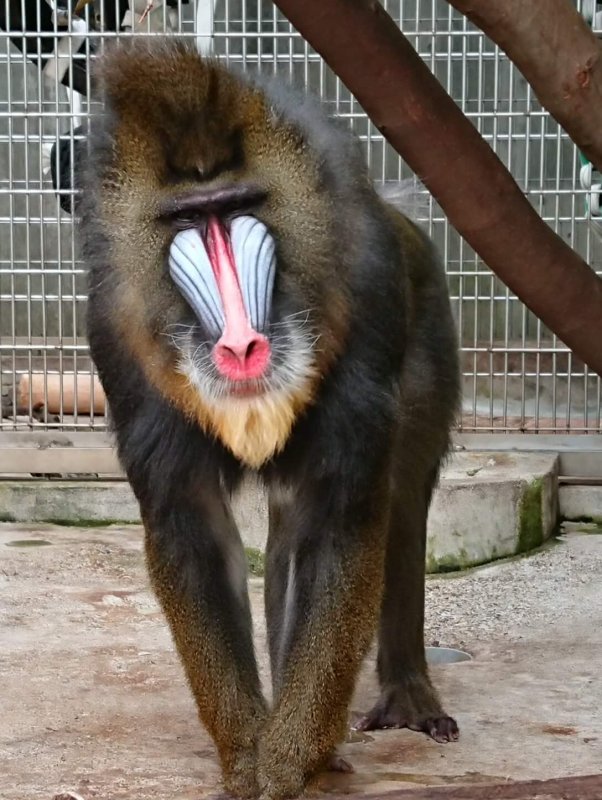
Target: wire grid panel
[(516, 374)]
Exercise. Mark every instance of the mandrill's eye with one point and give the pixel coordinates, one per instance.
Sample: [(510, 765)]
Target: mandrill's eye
[(187, 220), (192, 208)]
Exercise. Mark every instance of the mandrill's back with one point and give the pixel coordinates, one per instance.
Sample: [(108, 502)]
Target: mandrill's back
[(430, 382)]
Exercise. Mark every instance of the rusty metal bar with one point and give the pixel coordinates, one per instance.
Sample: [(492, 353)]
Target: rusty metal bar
[(362, 44), (556, 51)]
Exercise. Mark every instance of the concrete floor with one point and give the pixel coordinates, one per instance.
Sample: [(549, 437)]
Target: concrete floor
[(92, 698)]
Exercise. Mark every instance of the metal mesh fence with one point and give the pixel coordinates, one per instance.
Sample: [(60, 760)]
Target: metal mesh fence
[(517, 375)]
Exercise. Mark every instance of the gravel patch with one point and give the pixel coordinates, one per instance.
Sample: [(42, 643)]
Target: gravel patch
[(504, 600)]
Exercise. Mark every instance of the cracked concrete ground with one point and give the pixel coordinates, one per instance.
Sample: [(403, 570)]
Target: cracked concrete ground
[(93, 700)]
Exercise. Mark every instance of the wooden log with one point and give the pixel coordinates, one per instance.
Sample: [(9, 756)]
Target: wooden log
[(68, 393)]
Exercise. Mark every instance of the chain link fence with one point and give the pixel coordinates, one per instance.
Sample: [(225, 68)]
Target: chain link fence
[(516, 375)]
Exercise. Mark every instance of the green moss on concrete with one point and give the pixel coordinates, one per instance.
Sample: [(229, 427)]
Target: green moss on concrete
[(449, 563), (595, 520), (583, 526), (598, 523), (461, 562), (530, 533), (255, 562), (4, 517), (478, 565)]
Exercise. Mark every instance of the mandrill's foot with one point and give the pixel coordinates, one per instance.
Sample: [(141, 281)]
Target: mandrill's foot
[(412, 704)]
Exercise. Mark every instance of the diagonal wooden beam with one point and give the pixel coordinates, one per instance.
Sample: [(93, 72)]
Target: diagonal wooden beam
[(556, 51), (363, 45)]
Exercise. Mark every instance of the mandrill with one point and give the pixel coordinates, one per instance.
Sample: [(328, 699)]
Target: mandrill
[(256, 307)]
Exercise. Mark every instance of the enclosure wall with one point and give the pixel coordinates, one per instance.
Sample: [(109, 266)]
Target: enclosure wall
[(516, 375)]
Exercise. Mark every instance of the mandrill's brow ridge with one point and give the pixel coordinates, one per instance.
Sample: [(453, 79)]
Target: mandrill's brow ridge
[(216, 200)]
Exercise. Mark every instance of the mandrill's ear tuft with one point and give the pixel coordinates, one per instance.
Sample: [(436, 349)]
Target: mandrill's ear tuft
[(137, 73)]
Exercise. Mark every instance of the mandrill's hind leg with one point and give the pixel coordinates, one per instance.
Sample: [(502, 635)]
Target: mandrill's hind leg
[(198, 571), (408, 698)]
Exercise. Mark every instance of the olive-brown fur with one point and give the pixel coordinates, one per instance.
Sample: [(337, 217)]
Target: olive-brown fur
[(349, 458)]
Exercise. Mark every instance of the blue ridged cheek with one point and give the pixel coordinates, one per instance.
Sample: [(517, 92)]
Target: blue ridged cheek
[(255, 258), (191, 271)]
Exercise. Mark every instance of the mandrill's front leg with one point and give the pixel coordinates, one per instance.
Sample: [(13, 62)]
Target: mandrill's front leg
[(326, 562), (198, 571)]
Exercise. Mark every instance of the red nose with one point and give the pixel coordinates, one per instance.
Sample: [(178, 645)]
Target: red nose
[(242, 358)]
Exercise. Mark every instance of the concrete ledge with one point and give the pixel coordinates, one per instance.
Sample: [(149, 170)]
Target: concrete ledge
[(580, 502), (487, 506), (491, 505), (68, 502)]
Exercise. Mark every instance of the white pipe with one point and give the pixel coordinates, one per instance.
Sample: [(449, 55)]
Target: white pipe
[(205, 12), (58, 64)]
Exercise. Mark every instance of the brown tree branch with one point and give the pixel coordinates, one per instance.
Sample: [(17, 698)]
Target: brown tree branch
[(556, 51), (367, 50)]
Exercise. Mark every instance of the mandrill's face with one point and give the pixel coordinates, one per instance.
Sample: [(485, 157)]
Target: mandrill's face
[(232, 344), (225, 270), (224, 261), (253, 368)]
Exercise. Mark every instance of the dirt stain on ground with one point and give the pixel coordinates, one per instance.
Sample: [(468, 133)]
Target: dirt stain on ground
[(28, 543), (559, 730)]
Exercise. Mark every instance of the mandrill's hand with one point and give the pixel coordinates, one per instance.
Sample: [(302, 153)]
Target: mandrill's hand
[(281, 768), (240, 775), (278, 777), (280, 783)]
